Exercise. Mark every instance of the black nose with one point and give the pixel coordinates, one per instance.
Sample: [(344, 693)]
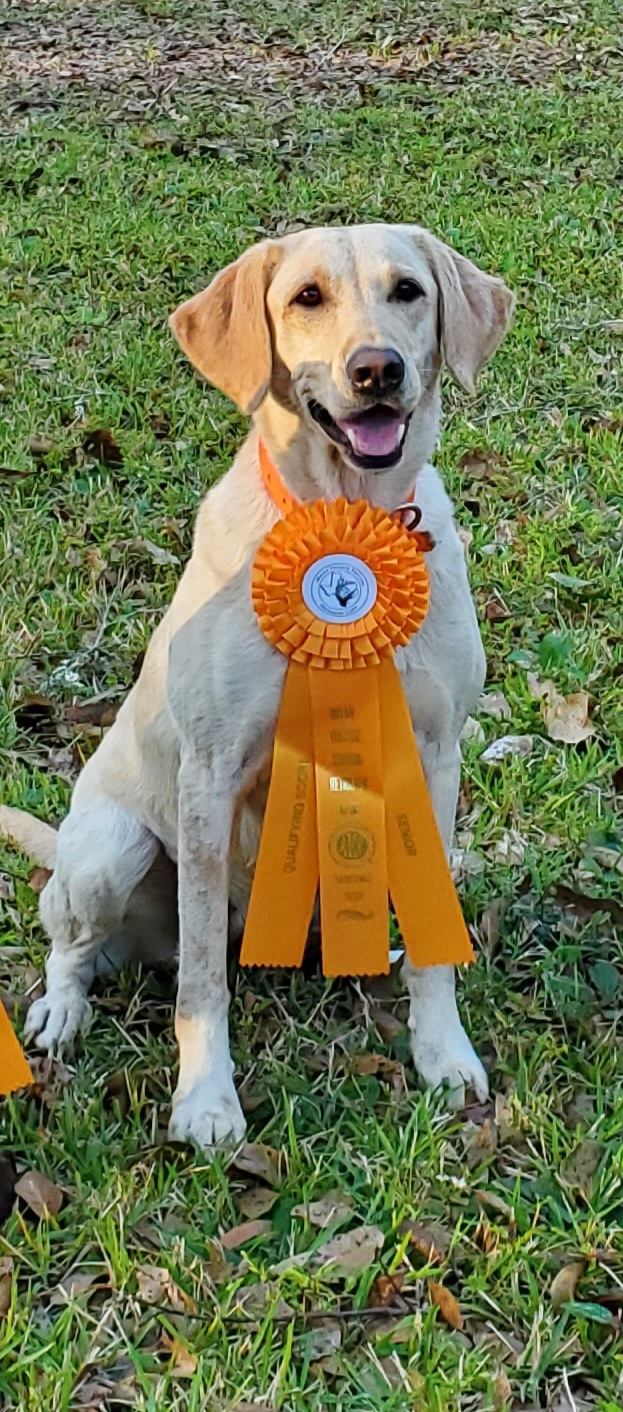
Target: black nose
[(376, 370)]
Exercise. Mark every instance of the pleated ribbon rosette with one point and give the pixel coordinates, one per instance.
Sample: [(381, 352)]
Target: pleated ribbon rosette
[(337, 587)]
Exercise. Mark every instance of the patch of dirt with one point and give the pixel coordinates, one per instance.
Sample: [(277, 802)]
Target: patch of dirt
[(53, 56)]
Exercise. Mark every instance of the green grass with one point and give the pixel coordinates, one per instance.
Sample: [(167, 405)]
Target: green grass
[(107, 221)]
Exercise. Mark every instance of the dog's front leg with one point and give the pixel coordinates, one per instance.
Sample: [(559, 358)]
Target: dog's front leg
[(206, 1109), (442, 1051)]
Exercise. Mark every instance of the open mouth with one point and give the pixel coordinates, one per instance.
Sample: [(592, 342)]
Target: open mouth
[(374, 438)]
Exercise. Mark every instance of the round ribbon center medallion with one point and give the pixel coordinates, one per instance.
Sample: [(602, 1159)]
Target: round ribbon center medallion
[(339, 588)]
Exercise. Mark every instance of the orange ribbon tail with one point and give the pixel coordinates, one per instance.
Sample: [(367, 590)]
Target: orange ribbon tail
[(14, 1068)]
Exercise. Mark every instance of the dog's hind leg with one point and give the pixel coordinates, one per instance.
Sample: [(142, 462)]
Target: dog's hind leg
[(103, 853)]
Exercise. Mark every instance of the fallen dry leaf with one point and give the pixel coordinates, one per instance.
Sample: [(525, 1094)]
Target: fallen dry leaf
[(256, 1202), (217, 1266), (494, 704), (446, 1303), (481, 464), (580, 1166), (102, 445), (158, 553), (100, 712), (431, 1242), (496, 610), (498, 1204), (389, 1026), (157, 1286), (77, 1283), (506, 745), (40, 445), (324, 1340), (385, 1290), (501, 1392), (40, 1194), (6, 1281), (259, 1161), (349, 1253), (332, 1209), (480, 1143), (566, 717), (565, 1283), (256, 1300), (183, 1362), (510, 848), (241, 1235)]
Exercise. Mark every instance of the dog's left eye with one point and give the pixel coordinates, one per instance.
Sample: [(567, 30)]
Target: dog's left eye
[(310, 297), (406, 291)]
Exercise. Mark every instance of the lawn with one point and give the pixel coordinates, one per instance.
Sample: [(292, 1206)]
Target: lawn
[(144, 145)]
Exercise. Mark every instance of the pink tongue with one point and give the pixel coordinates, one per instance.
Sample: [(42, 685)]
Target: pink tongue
[(376, 434)]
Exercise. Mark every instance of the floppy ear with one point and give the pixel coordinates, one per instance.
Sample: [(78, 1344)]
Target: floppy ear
[(224, 330), (475, 312)]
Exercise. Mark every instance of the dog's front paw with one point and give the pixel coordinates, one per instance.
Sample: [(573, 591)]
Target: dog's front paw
[(208, 1116), (53, 1022), (447, 1058)]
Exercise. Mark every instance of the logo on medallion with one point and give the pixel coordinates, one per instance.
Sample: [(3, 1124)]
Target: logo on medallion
[(351, 846), (339, 588)]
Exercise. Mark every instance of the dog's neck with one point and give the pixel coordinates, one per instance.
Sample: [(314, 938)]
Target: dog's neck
[(313, 469)]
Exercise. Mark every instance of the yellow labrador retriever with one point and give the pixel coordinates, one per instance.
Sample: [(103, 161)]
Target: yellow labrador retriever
[(334, 340)]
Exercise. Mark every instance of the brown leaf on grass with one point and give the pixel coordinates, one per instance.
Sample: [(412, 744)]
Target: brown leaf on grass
[(431, 1242), (76, 1284), (565, 1283), (494, 704), (385, 1290), (39, 878), (481, 464), (324, 1339), (580, 1166), (566, 717), (256, 1202), (256, 1301), (8, 1178), (34, 713), (40, 1194), (332, 1209), (101, 444), (585, 906), (446, 1303), (389, 1026), (157, 1286), (100, 712), (496, 610), (241, 1235), (6, 1281), (501, 1392), (506, 745), (496, 1203), (11, 473), (259, 1161), (480, 1143), (217, 1267), (183, 1362), (40, 445), (349, 1253), (366, 1065)]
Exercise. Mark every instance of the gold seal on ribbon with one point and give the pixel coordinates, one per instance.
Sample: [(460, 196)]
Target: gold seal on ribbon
[(337, 588)]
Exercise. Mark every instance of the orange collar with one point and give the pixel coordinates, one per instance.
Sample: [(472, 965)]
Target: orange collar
[(285, 501)]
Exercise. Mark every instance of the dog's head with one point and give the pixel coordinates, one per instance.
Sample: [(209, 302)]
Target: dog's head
[(348, 328)]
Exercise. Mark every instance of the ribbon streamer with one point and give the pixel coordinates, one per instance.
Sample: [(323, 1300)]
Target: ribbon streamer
[(14, 1068), (348, 807)]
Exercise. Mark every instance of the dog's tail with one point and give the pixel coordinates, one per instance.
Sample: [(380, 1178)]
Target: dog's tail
[(36, 839)]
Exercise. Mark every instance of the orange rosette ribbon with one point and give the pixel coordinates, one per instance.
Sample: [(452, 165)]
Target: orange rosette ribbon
[(337, 588)]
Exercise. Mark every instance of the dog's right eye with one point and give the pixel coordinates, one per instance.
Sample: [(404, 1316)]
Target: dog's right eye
[(309, 297)]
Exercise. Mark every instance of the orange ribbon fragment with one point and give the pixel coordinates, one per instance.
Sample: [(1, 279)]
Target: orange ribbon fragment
[(336, 588), (14, 1067)]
